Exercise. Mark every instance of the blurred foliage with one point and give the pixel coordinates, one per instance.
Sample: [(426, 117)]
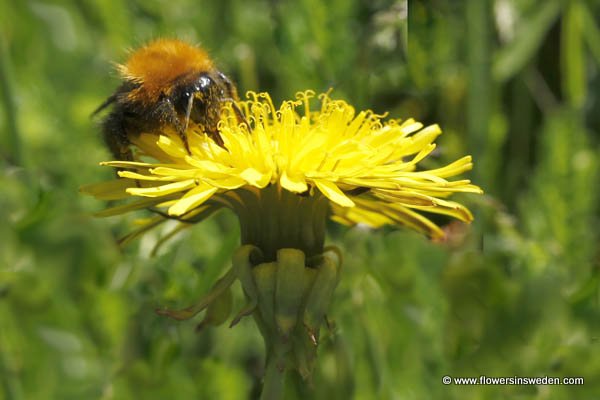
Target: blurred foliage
[(516, 83)]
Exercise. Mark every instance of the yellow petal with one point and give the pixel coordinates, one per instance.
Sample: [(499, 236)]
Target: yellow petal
[(255, 177), (192, 199), (296, 184), (227, 182), (333, 193), (173, 147), (142, 177), (163, 190), (175, 172)]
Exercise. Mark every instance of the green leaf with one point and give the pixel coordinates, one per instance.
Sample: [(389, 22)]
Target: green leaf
[(591, 32), (573, 57), (528, 38)]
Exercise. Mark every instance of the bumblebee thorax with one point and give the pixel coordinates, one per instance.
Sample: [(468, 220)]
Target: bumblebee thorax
[(159, 65)]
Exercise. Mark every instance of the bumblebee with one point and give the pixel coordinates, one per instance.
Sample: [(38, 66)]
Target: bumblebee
[(166, 84)]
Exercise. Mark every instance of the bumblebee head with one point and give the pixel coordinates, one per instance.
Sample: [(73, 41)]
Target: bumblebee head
[(200, 97)]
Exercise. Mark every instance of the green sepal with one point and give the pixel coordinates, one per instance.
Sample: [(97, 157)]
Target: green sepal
[(218, 311), (289, 289), (264, 277), (305, 345), (243, 260), (320, 294), (217, 290)]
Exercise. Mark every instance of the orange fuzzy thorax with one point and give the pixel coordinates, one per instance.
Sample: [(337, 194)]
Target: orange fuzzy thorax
[(156, 65)]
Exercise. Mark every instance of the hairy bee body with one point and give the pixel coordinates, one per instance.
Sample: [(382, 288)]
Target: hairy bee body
[(166, 84)]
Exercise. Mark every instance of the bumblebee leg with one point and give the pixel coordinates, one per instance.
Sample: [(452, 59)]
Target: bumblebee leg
[(188, 111), (170, 117), (238, 113), (231, 96), (183, 135), (182, 130)]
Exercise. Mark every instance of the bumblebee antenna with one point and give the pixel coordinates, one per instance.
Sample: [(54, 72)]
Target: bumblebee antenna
[(106, 103), (121, 90)]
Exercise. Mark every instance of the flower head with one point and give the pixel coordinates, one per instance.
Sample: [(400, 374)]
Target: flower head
[(365, 169)]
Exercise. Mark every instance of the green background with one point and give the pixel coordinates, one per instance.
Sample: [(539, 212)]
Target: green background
[(515, 83)]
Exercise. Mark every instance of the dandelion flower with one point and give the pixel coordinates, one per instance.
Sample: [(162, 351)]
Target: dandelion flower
[(284, 171), (363, 168)]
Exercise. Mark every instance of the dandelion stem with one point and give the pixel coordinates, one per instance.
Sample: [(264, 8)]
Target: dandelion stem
[(274, 381)]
